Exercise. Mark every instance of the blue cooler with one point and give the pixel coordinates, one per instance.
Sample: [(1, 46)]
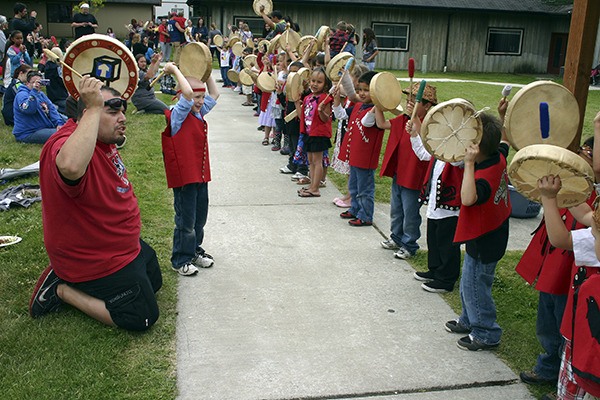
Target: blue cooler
[(521, 206)]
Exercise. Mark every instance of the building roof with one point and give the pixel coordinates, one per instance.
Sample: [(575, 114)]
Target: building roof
[(148, 2), (513, 6)]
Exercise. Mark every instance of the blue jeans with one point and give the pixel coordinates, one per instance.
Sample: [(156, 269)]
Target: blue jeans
[(370, 65), (362, 190), (191, 212), (40, 136), (226, 80), (478, 308), (551, 308), (405, 217)]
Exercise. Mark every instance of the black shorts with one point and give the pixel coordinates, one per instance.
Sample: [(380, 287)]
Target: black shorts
[(315, 144), (129, 293)]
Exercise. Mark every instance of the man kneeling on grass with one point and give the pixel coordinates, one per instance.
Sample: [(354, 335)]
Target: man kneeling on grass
[(98, 263)]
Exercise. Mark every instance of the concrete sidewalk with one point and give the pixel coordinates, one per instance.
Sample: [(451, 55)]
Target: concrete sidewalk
[(300, 305)]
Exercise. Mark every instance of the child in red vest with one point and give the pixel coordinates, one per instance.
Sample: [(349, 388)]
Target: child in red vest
[(315, 121), (185, 154), (580, 364), (361, 147), (483, 227)]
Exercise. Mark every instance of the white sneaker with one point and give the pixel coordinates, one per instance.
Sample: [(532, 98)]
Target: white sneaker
[(389, 244), (237, 89), (297, 176), (285, 170), (403, 254), (203, 260), (187, 269)]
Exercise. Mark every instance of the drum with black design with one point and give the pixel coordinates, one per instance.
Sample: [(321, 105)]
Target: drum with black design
[(104, 58), (523, 116), (335, 67), (449, 128), (538, 160), (385, 91)]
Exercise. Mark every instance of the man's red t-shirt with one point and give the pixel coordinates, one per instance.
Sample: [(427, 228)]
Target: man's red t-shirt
[(91, 229)]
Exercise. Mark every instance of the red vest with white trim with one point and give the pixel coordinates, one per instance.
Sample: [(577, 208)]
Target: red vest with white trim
[(477, 220), (447, 189), (186, 154), (361, 145), (400, 160)]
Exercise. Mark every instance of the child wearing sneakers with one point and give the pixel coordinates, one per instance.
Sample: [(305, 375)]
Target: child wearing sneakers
[(408, 173), (361, 147), (483, 227), (186, 158)]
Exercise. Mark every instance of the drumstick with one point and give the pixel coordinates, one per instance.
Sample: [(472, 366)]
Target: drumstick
[(506, 91), (544, 120), (348, 67), (418, 98), (162, 73), (55, 58), (411, 75)]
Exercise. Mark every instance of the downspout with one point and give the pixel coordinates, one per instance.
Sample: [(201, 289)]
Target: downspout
[(222, 21), (447, 42)]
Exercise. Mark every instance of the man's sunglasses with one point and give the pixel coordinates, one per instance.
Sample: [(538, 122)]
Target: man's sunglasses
[(116, 103)]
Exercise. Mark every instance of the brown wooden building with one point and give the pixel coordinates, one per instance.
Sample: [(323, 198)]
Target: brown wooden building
[(461, 35)]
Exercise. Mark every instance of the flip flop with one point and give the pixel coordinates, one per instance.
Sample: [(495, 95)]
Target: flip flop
[(306, 193), (265, 142)]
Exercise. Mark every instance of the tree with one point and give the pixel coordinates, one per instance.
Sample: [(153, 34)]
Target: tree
[(94, 5)]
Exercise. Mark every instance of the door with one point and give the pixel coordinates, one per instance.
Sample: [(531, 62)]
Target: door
[(558, 52)]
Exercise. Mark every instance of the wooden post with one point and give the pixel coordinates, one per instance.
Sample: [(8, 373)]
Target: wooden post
[(580, 53)]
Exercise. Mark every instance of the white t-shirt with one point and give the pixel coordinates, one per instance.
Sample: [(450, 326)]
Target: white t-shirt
[(583, 248), (225, 55)]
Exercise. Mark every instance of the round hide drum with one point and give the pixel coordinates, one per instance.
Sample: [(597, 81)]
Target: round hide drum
[(293, 86), (303, 45), (238, 49), (266, 81), (104, 58), (250, 43), (385, 91), (266, 3), (522, 121), (194, 61), (398, 110), (321, 35), (538, 160), (273, 44), (289, 38), (245, 78), (232, 41), (250, 61), (335, 66), (263, 45), (233, 75), (449, 128), (304, 73), (218, 40)]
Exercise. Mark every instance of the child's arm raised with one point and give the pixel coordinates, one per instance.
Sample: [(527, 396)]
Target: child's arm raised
[(380, 120), (468, 189), (184, 85), (213, 90), (558, 233)]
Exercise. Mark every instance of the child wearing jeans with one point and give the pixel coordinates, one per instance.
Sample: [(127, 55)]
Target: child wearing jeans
[(483, 227), (186, 158), (361, 147)]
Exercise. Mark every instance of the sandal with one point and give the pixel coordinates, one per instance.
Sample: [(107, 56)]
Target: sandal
[(303, 181), (247, 104), (265, 142), (306, 193), (322, 184)]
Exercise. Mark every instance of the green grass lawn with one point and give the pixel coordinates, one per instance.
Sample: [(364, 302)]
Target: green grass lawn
[(68, 355)]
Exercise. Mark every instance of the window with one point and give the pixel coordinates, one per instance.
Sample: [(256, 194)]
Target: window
[(256, 25), (507, 42), (60, 13), (392, 36)]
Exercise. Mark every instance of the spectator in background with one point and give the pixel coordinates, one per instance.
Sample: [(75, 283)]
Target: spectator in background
[(245, 34), (110, 33), (275, 21), (56, 91), (200, 31), (352, 39), (22, 23), (19, 78), (84, 22), (144, 98), (36, 118), (176, 29), (370, 49), (164, 40), (211, 35), (3, 27), (338, 40), (266, 30)]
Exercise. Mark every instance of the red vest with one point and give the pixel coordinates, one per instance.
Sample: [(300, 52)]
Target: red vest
[(400, 160), (585, 338), (317, 127), (477, 220), (361, 145), (447, 187), (186, 154), (545, 266)]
